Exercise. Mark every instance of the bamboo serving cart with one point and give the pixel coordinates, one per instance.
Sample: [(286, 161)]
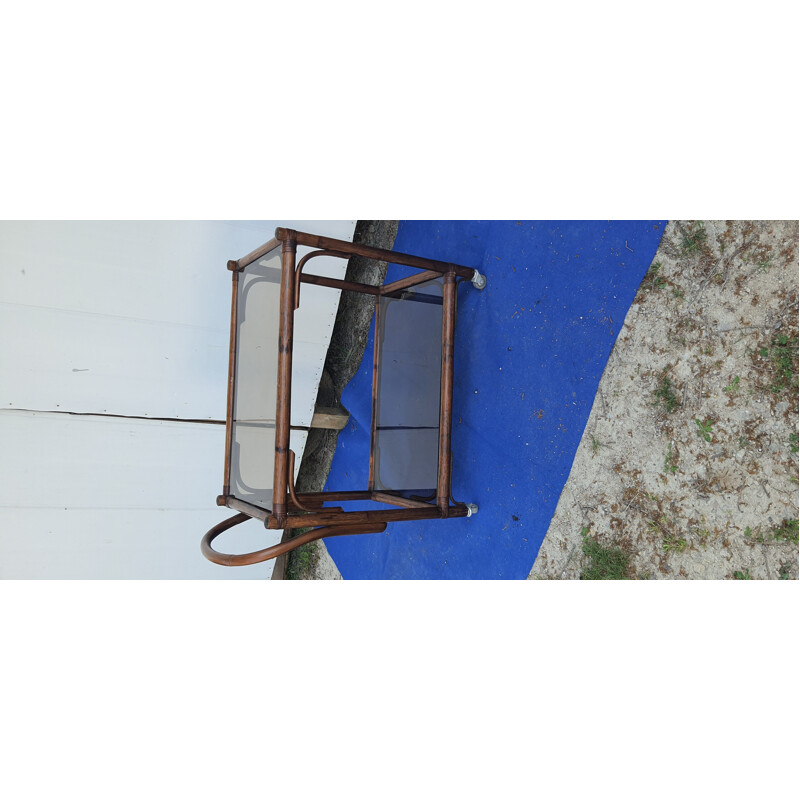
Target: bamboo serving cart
[(410, 460)]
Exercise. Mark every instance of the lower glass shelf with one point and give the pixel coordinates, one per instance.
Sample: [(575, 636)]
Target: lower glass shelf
[(408, 389)]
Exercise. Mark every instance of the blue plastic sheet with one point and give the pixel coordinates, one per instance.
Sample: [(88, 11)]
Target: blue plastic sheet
[(530, 351)]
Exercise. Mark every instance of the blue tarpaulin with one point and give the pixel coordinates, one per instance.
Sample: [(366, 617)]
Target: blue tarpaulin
[(530, 351)]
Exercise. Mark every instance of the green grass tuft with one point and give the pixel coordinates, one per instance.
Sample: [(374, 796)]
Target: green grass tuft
[(673, 542), (733, 386), (782, 357), (606, 563), (787, 531), (704, 429), (301, 560), (671, 461), (656, 283), (666, 394), (694, 237)]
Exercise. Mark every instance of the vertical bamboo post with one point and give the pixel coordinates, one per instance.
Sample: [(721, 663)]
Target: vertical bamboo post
[(446, 400), (284, 402)]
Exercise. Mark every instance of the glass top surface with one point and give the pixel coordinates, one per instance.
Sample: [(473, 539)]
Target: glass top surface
[(252, 455), (409, 388)]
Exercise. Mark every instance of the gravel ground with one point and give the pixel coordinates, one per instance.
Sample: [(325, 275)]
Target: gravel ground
[(688, 466)]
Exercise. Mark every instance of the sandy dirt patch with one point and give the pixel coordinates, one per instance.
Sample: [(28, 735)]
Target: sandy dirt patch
[(688, 466)]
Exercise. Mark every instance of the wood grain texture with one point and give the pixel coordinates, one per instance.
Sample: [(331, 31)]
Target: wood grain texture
[(334, 419)]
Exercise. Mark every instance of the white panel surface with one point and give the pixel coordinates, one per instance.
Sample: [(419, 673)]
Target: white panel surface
[(130, 318), (133, 317), (94, 497)]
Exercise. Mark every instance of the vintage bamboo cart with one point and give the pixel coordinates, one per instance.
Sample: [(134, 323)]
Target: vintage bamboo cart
[(410, 462)]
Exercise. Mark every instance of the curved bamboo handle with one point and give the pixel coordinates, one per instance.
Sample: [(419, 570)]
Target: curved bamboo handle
[(228, 560)]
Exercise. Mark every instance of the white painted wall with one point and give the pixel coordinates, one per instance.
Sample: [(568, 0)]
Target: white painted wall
[(128, 318)]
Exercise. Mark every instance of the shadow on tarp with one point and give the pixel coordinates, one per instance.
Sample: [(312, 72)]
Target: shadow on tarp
[(530, 351)]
